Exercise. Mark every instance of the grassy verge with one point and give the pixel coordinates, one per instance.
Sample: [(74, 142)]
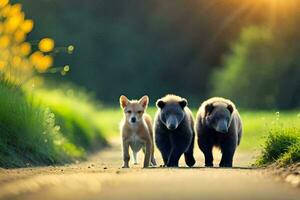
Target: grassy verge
[(47, 127), (29, 133), (282, 145), (258, 124), (77, 115)]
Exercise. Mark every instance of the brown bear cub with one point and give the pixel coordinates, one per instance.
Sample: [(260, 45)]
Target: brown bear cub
[(174, 132), (218, 123), (136, 130)]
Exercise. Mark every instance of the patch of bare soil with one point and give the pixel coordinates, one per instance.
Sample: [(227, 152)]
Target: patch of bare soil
[(290, 174)]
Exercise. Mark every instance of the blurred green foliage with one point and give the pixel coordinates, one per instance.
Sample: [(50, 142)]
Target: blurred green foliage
[(157, 47), (76, 113), (262, 71)]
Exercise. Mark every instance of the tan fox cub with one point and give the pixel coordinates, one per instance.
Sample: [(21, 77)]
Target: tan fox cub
[(136, 130)]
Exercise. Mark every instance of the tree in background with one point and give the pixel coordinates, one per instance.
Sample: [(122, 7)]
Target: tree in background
[(262, 71), (137, 47), (157, 47)]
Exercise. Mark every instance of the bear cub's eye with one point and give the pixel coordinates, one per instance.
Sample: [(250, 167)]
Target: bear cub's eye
[(208, 118)]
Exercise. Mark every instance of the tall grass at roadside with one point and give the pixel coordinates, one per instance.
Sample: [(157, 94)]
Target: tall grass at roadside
[(29, 134), (282, 144), (291, 156), (77, 115)]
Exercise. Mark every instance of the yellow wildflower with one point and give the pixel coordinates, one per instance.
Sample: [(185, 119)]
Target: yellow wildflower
[(25, 48), (45, 63), (5, 10), (46, 45), (35, 57), (41, 62), (13, 23), (4, 41), (15, 9), (14, 51), (19, 36), (3, 3), (27, 26)]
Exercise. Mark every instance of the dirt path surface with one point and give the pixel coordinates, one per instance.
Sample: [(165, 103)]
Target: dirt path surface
[(102, 178)]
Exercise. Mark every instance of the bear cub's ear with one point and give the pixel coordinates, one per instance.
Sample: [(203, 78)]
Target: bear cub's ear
[(183, 103), (230, 108), (208, 109), (160, 103)]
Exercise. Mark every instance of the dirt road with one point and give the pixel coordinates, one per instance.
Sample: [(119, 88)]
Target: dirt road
[(102, 178)]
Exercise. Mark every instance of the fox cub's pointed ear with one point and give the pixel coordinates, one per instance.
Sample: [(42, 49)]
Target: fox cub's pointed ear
[(144, 101), (123, 101)]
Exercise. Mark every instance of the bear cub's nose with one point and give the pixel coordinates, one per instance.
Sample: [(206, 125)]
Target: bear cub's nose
[(172, 126)]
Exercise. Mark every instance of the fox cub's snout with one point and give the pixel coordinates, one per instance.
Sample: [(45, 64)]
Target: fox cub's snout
[(136, 130)]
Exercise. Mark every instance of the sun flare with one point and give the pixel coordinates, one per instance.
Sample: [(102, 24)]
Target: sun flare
[(279, 3)]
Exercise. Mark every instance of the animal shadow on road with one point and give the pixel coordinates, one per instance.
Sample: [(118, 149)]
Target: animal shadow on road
[(199, 167)]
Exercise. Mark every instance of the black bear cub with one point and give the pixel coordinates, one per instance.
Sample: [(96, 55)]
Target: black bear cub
[(218, 123), (174, 132)]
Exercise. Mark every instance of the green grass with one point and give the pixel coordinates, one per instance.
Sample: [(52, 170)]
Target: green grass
[(48, 126), (29, 134), (291, 156), (77, 114), (255, 124), (282, 145)]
